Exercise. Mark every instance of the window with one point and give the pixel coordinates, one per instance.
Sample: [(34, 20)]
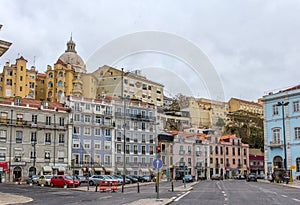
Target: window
[(87, 106), (87, 144), (97, 144), (9, 82), (3, 136), (143, 149), (76, 117), (216, 150), (87, 118), (76, 143), (19, 118), (61, 121), (239, 151), (19, 136), (98, 119), (296, 106), (61, 156), (275, 109), (107, 145), (107, 132), (233, 161), (33, 137), (297, 164), (48, 120), (86, 159), (245, 161), (2, 155), (48, 138), (47, 155), (97, 107), (97, 131), (226, 151), (87, 131), (276, 135), (245, 152), (76, 158), (107, 159), (61, 138), (9, 72), (118, 148), (76, 130), (297, 133), (221, 150), (34, 119), (233, 150)]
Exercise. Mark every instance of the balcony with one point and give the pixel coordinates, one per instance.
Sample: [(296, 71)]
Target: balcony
[(181, 152), (274, 144), (198, 153)]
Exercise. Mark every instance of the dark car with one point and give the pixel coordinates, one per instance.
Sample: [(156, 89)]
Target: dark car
[(132, 179), (251, 177), (187, 178)]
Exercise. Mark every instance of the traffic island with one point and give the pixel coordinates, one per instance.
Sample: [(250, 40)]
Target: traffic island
[(6, 198)]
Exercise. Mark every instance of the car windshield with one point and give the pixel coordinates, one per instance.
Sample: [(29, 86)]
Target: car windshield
[(68, 177), (48, 177)]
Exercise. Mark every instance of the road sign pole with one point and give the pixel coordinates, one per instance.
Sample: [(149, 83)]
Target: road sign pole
[(157, 183)]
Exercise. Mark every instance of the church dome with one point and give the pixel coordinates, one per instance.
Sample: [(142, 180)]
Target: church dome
[(71, 57)]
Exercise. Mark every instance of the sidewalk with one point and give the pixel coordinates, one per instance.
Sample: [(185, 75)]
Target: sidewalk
[(294, 184), (13, 199)]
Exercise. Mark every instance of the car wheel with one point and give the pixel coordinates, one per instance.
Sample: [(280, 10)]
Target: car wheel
[(91, 183), (66, 185), (51, 184)]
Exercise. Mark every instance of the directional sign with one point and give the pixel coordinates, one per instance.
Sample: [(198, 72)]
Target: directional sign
[(157, 163)]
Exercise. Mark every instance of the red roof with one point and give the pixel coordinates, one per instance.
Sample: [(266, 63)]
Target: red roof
[(60, 62), (293, 88)]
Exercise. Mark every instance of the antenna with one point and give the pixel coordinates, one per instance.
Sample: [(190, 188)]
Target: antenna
[(18, 55), (33, 60)]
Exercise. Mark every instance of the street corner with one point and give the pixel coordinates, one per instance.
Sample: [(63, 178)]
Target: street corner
[(152, 201), (6, 198)]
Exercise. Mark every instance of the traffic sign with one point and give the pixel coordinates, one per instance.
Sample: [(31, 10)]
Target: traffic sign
[(157, 163), (293, 167)]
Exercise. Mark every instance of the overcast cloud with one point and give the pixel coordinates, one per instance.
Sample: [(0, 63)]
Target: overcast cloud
[(254, 45)]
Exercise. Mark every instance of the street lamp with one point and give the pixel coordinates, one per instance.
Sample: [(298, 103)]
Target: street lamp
[(282, 104), (10, 143)]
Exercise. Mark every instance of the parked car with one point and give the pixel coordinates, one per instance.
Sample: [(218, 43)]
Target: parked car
[(251, 177), (63, 180), (95, 179), (127, 181), (147, 178), (216, 177), (187, 178), (240, 177), (44, 180), (81, 179), (32, 179), (261, 176), (132, 179)]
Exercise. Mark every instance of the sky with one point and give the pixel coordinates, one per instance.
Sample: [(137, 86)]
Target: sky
[(246, 48)]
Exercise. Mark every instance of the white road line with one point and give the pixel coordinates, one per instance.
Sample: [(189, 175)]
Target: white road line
[(226, 199), (182, 196), (296, 200), (223, 192), (284, 196)]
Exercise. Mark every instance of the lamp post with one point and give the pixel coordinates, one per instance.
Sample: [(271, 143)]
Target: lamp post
[(10, 144), (54, 141), (282, 104)]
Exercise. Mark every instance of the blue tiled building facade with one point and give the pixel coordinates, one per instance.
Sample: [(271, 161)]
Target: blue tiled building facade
[(277, 125)]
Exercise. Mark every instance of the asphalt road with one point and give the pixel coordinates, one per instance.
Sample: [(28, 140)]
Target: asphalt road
[(236, 192), (55, 196)]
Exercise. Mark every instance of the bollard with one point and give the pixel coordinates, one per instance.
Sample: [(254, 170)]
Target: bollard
[(172, 184), (96, 187), (138, 187), (155, 187), (19, 181)]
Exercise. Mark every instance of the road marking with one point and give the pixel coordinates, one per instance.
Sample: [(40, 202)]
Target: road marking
[(223, 192), (284, 196), (226, 199), (182, 196), (296, 200)]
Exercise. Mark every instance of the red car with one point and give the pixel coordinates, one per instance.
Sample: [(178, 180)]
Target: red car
[(64, 180)]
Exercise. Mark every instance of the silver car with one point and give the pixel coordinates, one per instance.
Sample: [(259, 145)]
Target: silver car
[(95, 179)]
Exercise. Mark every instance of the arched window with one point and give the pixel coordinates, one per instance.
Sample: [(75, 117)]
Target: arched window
[(59, 93), (60, 74), (50, 75), (60, 83), (50, 85), (50, 94), (277, 161)]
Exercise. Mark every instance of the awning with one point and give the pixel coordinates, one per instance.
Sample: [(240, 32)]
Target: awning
[(120, 169), (144, 170), (108, 169), (129, 169), (4, 165), (98, 169), (47, 169)]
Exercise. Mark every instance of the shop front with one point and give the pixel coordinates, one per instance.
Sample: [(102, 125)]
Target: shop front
[(3, 170)]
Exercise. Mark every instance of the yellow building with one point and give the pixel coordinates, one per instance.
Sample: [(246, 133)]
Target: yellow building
[(205, 113), (17, 80), (243, 105), (136, 86)]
